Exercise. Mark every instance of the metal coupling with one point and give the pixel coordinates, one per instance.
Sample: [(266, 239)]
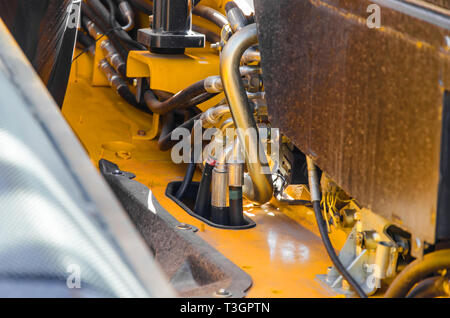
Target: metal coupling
[(92, 29), (213, 84), (211, 116), (113, 77), (251, 55), (236, 166), (219, 186), (112, 56)]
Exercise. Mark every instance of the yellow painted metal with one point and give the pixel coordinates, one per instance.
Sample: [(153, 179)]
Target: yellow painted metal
[(281, 255), (172, 73), (98, 78)]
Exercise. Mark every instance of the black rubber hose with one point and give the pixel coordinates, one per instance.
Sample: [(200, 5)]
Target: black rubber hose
[(165, 141), (182, 99), (431, 287), (101, 25), (115, 28), (211, 15), (118, 29), (331, 252), (86, 41), (203, 200), (187, 180), (417, 271), (321, 224), (210, 36)]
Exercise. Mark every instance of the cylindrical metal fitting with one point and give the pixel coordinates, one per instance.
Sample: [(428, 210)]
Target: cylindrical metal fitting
[(213, 84), (382, 258), (91, 28), (219, 186), (113, 57), (113, 77), (314, 186), (235, 174)]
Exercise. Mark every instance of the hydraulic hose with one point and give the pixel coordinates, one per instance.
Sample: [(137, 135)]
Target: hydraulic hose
[(210, 14), (417, 271), (210, 36), (118, 28), (183, 99), (187, 180), (432, 287), (315, 200), (242, 113), (100, 24), (165, 141), (203, 200), (108, 17)]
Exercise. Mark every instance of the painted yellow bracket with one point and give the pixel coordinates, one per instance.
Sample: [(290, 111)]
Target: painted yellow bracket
[(172, 73)]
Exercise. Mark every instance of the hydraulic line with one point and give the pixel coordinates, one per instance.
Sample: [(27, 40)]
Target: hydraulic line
[(210, 36), (86, 41), (107, 16), (183, 99), (314, 187), (118, 28), (235, 16), (203, 200), (242, 113), (417, 271), (117, 82), (127, 13), (165, 142), (187, 180), (90, 16), (210, 14)]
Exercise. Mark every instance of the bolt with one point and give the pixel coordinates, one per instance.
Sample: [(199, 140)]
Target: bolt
[(141, 132), (184, 226), (117, 172), (222, 292)]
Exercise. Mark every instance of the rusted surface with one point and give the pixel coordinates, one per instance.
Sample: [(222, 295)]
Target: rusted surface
[(365, 103)]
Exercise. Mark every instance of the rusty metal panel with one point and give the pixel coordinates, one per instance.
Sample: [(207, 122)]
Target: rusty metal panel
[(365, 103)]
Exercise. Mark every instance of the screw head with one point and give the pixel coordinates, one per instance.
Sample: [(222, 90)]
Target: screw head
[(222, 292), (141, 132)]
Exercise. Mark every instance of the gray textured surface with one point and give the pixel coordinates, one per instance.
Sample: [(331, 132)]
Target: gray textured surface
[(194, 268), (365, 103)]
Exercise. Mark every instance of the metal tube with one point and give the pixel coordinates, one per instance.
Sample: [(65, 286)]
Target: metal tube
[(240, 110)]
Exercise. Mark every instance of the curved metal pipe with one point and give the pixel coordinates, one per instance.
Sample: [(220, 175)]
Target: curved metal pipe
[(241, 112)]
